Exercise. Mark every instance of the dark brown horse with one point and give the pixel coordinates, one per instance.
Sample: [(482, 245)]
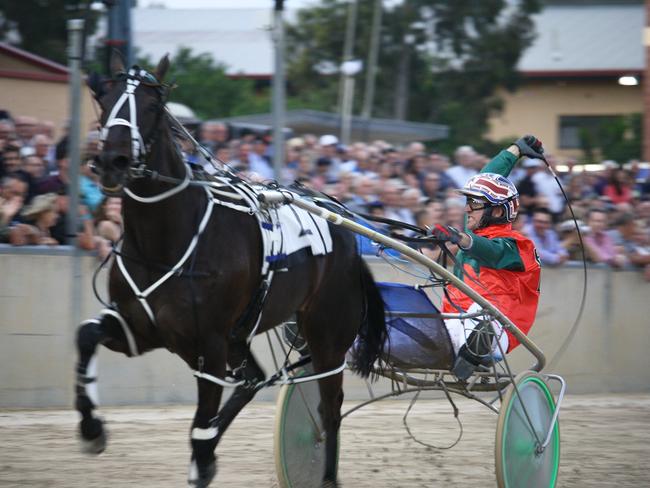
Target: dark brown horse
[(184, 277)]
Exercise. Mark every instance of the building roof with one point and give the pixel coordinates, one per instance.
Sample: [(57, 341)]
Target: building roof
[(574, 37), (238, 38), (26, 65), (319, 123), (586, 38)]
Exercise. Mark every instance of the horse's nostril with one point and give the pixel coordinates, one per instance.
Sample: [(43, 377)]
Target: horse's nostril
[(121, 162)]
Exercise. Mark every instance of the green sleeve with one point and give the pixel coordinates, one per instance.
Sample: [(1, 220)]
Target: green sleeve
[(502, 163), (497, 253)]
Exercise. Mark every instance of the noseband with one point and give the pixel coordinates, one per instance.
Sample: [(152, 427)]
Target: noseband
[(139, 150)]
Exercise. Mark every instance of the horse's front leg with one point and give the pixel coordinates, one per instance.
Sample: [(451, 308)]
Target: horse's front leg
[(204, 434), (106, 330)]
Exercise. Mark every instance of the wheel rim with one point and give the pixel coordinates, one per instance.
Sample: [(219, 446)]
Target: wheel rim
[(300, 440), (519, 462)]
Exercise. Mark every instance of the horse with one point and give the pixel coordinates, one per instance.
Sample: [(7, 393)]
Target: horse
[(183, 278)]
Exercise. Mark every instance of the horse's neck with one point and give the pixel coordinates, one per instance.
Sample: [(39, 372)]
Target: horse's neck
[(163, 229)]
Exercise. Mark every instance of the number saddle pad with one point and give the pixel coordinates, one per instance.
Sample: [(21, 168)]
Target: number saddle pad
[(414, 342)]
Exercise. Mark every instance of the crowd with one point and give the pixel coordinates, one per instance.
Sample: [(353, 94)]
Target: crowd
[(407, 183)]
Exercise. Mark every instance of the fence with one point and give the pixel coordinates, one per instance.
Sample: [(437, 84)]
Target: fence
[(609, 352)]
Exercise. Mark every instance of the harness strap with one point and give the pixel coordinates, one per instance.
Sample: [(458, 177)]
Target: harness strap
[(142, 295), (130, 340), (218, 381)]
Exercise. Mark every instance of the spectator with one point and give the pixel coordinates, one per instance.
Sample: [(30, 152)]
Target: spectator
[(26, 128), (465, 166), (527, 191), (12, 198), (45, 150), (329, 157), (431, 186), (259, 162), (41, 216), (546, 240), (11, 161), (108, 226), (598, 243), (629, 238), (363, 189), (619, 188), (547, 187), (213, 134)]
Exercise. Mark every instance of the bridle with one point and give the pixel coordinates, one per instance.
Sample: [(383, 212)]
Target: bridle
[(140, 150)]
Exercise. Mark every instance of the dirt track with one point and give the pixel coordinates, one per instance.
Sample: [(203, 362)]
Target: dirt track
[(605, 443)]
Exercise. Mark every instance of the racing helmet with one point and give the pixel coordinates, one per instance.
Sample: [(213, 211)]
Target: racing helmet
[(497, 191)]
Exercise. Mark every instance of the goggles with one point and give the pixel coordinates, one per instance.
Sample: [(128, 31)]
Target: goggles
[(475, 204)]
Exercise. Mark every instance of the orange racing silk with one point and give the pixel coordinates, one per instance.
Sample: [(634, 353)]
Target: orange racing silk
[(514, 291)]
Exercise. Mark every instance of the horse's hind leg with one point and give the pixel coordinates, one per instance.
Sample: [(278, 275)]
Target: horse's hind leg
[(331, 393), (209, 426), (105, 330)]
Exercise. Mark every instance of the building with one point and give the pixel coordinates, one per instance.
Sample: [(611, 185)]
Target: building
[(238, 38), (571, 73), (34, 86)]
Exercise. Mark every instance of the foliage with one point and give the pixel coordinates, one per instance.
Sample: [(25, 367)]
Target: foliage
[(42, 25), (454, 54), (203, 85), (616, 138)]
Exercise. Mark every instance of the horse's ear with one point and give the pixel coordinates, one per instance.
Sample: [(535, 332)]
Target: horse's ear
[(117, 63), (161, 69)]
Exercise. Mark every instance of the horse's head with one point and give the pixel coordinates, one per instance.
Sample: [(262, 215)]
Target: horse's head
[(132, 106)]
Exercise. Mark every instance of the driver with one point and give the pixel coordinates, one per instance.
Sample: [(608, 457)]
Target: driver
[(497, 262)]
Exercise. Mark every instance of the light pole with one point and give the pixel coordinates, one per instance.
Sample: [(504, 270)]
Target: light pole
[(348, 71), (278, 91)]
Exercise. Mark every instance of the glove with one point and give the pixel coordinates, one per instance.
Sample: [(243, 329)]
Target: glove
[(530, 146), (446, 233)]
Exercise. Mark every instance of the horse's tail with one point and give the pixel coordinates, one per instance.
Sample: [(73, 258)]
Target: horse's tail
[(373, 332)]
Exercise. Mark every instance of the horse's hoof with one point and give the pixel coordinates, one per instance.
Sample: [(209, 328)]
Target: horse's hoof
[(201, 478), (92, 436)]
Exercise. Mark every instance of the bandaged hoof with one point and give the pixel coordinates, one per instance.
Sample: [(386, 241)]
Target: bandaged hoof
[(92, 436), (201, 477)]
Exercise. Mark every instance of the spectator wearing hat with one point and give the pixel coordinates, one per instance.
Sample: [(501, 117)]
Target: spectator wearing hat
[(40, 217), (329, 156)]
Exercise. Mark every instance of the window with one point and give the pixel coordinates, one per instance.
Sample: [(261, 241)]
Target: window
[(572, 127)]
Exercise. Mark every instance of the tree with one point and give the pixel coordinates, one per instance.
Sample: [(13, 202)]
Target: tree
[(440, 61), (204, 86), (42, 25)]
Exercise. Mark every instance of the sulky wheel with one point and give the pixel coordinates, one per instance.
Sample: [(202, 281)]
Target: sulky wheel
[(523, 425), (299, 437)]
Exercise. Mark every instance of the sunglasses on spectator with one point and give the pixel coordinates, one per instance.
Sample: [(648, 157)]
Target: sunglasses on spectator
[(475, 204)]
